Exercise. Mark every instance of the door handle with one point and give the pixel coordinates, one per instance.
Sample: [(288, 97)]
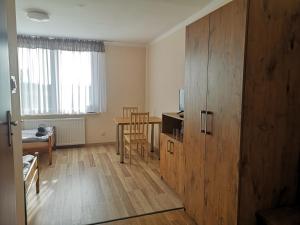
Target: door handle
[(202, 121), (14, 123), (172, 144), (10, 123), (13, 84), (168, 146), (209, 122)]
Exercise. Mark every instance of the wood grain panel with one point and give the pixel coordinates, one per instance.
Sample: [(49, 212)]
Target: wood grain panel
[(224, 99), (7, 187), (170, 178), (179, 168), (163, 155), (172, 163), (195, 101), (279, 216), (271, 124)]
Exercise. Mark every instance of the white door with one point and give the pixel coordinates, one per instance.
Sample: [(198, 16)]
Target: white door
[(11, 178)]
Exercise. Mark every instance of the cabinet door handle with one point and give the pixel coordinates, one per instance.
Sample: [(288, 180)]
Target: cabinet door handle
[(172, 144), (168, 146), (202, 121), (209, 122)]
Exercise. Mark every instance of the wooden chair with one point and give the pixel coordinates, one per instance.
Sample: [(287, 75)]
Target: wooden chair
[(127, 110), (138, 134)]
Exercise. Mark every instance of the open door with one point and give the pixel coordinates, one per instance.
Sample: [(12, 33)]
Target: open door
[(10, 193)]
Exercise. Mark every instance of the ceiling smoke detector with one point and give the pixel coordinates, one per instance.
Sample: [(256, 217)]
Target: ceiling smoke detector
[(38, 15)]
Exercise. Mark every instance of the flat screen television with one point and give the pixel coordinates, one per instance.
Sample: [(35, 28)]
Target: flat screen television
[(181, 100)]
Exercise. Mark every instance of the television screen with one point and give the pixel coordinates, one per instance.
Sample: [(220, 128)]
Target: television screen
[(181, 100)]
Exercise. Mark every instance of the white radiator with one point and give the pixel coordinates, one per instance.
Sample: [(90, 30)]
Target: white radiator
[(69, 131)]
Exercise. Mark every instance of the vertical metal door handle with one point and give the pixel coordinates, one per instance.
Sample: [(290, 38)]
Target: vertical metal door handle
[(168, 146), (13, 84), (9, 128), (209, 125), (172, 144), (202, 130)]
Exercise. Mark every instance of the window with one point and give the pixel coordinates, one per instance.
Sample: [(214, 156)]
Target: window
[(60, 81)]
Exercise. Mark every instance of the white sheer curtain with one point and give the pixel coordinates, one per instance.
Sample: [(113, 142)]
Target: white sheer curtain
[(56, 81)]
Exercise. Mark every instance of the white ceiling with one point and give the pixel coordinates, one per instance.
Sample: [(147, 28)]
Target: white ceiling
[(135, 21)]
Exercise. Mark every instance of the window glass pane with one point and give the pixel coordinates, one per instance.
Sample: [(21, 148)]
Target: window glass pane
[(58, 82), (35, 80), (74, 78)]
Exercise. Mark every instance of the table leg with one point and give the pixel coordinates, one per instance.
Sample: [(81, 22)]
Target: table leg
[(122, 145), (152, 137), (117, 139)]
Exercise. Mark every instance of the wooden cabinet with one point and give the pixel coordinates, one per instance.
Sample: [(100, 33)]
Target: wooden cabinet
[(164, 145), (241, 135), (172, 163), (197, 36), (167, 161), (179, 167), (212, 159), (224, 101)]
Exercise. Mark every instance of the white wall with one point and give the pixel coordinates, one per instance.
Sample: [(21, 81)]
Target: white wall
[(125, 87), (165, 73)]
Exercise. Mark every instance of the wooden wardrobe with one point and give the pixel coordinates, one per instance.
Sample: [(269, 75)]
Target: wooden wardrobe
[(242, 111)]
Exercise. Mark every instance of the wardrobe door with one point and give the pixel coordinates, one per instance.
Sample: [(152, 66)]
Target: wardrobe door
[(271, 121), (224, 101), (195, 101)]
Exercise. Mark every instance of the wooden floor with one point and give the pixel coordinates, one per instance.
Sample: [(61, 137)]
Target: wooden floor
[(178, 217), (89, 185)]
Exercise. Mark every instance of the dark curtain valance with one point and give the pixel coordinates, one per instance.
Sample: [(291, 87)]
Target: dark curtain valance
[(60, 44)]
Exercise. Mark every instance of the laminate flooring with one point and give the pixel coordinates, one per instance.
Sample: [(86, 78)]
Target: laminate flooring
[(89, 185)]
